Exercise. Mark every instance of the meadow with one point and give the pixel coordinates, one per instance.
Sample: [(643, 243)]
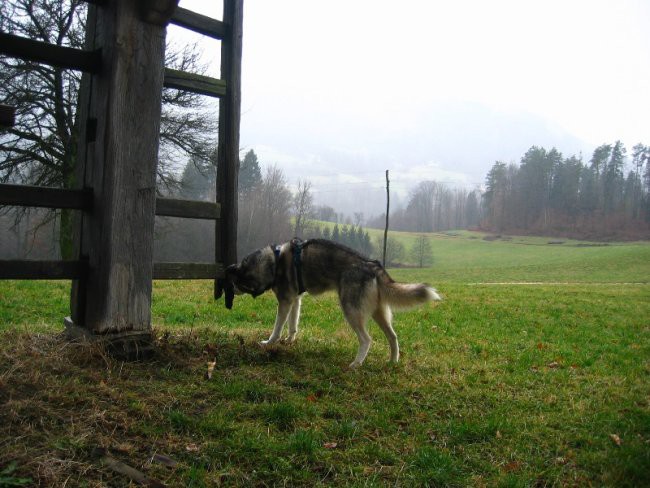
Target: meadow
[(534, 371)]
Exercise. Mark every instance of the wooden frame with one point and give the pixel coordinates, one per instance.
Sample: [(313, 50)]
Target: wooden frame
[(116, 199)]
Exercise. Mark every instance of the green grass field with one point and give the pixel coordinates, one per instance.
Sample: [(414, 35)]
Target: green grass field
[(539, 384)]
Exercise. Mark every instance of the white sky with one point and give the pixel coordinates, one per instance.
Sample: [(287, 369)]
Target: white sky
[(437, 89)]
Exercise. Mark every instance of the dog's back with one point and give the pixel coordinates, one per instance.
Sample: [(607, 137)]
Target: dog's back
[(329, 265)]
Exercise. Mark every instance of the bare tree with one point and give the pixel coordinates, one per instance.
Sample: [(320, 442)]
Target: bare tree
[(41, 148), (303, 206), (268, 211), (421, 251), (394, 250)]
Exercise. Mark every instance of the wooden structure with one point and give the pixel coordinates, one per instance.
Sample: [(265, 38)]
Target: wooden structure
[(120, 106)]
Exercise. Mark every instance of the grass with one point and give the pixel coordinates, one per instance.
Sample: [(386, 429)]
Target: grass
[(499, 385)]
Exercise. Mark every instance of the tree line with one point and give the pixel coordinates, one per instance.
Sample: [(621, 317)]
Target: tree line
[(433, 207), (606, 197), (547, 193), (268, 212)]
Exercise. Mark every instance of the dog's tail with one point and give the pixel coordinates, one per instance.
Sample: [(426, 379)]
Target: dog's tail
[(406, 295)]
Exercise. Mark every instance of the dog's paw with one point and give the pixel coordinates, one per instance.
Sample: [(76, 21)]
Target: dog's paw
[(267, 343), (354, 365)]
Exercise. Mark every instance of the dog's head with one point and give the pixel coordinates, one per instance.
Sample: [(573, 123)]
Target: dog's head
[(255, 274)]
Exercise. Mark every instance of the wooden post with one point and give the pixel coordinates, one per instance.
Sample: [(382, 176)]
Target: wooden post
[(228, 149), (117, 159), (387, 212)]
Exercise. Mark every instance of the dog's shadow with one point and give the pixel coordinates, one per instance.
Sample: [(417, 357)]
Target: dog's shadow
[(236, 350)]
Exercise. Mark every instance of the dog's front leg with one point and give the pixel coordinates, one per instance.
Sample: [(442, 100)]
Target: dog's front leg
[(294, 318), (284, 307)]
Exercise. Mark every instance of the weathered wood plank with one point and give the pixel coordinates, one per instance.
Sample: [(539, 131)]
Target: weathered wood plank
[(191, 82), (42, 52), (40, 196), (202, 24), (157, 12), (228, 144), (119, 163), (42, 270), (190, 209), (187, 271), (7, 115)]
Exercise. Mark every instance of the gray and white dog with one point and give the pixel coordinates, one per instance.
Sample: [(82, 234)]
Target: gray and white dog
[(364, 287)]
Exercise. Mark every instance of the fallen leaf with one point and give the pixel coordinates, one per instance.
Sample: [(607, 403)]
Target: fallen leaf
[(540, 345), (192, 448), (311, 398), (512, 466), (499, 436), (211, 365), (330, 445), (124, 447), (553, 365), (616, 439)]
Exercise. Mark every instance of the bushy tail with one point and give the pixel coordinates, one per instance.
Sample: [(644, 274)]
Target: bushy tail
[(406, 295)]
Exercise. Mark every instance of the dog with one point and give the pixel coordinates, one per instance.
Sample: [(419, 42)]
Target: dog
[(364, 287)]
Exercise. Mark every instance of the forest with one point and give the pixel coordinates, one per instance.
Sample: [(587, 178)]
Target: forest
[(553, 195)]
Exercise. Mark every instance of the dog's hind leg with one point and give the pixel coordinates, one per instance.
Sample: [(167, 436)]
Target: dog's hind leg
[(284, 307), (294, 318), (383, 316), (357, 321)]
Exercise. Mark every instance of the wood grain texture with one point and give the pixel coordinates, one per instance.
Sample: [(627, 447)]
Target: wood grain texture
[(191, 209), (42, 52), (119, 163), (191, 82), (39, 196), (42, 270), (199, 23), (228, 149)]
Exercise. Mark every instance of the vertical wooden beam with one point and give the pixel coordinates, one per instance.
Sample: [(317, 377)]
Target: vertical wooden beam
[(228, 149), (118, 158)]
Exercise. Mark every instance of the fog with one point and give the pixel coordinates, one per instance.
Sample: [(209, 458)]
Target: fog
[(433, 90)]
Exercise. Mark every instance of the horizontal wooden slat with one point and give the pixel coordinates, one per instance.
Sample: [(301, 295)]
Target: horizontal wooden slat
[(199, 23), (40, 196), (41, 270), (68, 270), (203, 85), (190, 209), (42, 52), (7, 115), (187, 271)]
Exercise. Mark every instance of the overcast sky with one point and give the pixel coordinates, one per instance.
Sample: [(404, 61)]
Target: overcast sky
[(338, 91)]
